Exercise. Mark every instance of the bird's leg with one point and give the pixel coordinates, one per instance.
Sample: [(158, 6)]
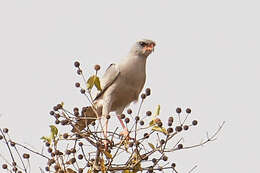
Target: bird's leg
[(125, 132), (105, 113)]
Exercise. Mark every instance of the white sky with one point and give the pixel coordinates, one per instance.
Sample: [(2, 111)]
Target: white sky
[(206, 58)]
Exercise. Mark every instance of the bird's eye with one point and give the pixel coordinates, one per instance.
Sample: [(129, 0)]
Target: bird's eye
[(142, 43)]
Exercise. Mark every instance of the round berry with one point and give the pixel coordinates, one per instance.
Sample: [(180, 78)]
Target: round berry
[(170, 119), (148, 113), (108, 117), (127, 120), (188, 110), (148, 91), (194, 122), (129, 111), (143, 96), (97, 67), (170, 130), (77, 84), (141, 122), (173, 165), (178, 128), (122, 116), (76, 64), (5, 130), (79, 72), (178, 110), (180, 146), (80, 156), (82, 91), (137, 118), (154, 160), (185, 127), (165, 158)]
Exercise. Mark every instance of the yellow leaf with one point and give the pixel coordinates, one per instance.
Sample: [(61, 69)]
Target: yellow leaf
[(97, 83), (90, 82), (102, 165), (62, 104), (46, 139), (151, 145), (108, 155), (160, 129), (54, 131), (151, 123)]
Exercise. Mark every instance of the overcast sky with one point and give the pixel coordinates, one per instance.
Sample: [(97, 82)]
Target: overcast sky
[(206, 58)]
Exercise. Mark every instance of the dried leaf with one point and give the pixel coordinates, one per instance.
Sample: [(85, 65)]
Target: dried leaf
[(108, 155), (68, 170), (157, 112), (151, 145), (102, 165), (160, 129), (151, 123), (46, 139)]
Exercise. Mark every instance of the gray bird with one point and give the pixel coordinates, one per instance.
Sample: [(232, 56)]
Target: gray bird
[(122, 83)]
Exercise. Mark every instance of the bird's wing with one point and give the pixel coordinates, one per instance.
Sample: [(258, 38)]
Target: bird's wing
[(108, 78)]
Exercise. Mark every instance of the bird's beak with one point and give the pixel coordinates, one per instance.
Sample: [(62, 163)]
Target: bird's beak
[(149, 48)]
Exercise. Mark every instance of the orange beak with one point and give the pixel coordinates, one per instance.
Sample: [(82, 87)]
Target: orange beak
[(149, 47)]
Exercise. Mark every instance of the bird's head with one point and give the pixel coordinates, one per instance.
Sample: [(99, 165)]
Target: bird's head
[(143, 47)]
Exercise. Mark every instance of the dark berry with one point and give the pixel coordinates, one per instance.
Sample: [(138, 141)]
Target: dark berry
[(26, 156), (137, 118), (47, 144), (178, 128), (188, 110), (154, 160), (79, 72), (146, 135), (4, 166), (148, 113), (148, 91), (65, 135), (180, 146), (194, 122), (76, 64), (122, 116), (5, 130), (170, 119), (82, 91), (178, 110), (162, 141), (185, 127), (57, 121), (51, 112), (80, 144), (170, 130), (127, 120), (165, 158), (108, 117), (173, 165), (143, 96), (141, 122), (129, 111), (80, 156), (77, 84)]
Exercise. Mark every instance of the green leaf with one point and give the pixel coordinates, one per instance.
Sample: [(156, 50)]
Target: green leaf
[(97, 83), (91, 82), (160, 129), (46, 139), (151, 145), (54, 131)]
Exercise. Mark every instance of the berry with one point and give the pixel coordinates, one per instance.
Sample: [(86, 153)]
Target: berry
[(76, 64), (65, 135), (80, 170), (188, 110), (129, 111), (51, 112), (79, 72), (178, 110), (127, 120), (178, 128), (97, 67), (82, 91), (194, 122), (141, 122), (148, 113), (148, 91), (122, 116), (26, 156), (4, 166), (77, 84), (47, 144), (49, 150), (57, 121), (185, 127), (47, 168), (160, 124), (170, 130), (108, 117), (170, 119), (173, 165), (55, 108), (165, 158), (162, 141), (5, 130), (12, 143), (169, 123), (137, 118), (80, 144), (131, 144), (180, 146), (80, 156), (146, 135), (143, 96)]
